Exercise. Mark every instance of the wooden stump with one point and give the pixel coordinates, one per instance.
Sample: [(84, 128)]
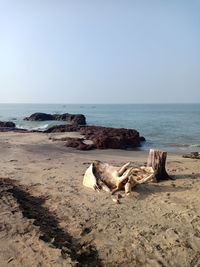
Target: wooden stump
[(157, 160)]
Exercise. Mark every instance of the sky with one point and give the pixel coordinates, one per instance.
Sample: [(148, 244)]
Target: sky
[(99, 51)]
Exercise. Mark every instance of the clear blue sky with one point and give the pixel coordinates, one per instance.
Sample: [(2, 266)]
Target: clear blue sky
[(99, 51)]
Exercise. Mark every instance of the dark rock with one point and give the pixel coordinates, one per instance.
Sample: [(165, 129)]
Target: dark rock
[(78, 119), (115, 138), (78, 144), (102, 137), (142, 139), (39, 117), (8, 124), (62, 129), (12, 129)]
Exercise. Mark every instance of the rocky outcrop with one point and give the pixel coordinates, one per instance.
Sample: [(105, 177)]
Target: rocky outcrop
[(101, 137), (78, 119), (79, 144), (7, 124), (115, 138), (39, 117), (63, 129), (142, 139)]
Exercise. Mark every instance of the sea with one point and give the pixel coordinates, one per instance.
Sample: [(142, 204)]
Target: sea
[(170, 127)]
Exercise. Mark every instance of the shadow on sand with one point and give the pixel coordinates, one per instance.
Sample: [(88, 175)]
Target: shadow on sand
[(190, 176), (32, 208)]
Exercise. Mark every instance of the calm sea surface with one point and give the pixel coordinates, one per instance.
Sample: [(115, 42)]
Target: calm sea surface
[(173, 127)]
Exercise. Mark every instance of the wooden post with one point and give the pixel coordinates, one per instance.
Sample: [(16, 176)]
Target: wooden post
[(157, 160)]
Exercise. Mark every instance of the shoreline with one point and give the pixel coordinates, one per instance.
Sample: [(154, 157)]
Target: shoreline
[(145, 146), (167, 127)]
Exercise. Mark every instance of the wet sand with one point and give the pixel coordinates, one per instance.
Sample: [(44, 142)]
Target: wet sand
[(47, 218)]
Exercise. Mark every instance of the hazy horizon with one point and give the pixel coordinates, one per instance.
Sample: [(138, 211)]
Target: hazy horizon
[(101, 52), (93, 103)]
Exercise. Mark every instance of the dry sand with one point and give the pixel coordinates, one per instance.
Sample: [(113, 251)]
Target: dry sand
[(47, 218)]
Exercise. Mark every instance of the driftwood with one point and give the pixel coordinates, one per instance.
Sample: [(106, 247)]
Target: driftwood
[(109, 178), (103, 176), (157, 160)]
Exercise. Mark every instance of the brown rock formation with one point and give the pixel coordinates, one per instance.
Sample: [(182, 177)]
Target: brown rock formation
[(39, 117), (115, 138), (79, 144), (78, 119)]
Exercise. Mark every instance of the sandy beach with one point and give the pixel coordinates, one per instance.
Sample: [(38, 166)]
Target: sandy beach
[(47, 217)]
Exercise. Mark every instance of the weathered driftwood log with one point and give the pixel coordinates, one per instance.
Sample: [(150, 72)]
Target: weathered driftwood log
[(157, 160), (101, 175)]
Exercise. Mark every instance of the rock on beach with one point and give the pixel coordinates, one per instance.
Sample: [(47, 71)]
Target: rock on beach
[(8, 124), (101, 137)]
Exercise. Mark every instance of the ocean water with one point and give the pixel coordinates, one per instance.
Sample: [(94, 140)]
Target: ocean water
[(172, 127)]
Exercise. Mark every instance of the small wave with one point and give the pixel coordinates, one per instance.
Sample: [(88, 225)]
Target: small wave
[(179, 145), (187, 145), (26, 127), (195, 145), (42, 127), (20, 127)]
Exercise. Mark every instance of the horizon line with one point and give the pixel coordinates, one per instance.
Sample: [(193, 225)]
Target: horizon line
[(60, 103)]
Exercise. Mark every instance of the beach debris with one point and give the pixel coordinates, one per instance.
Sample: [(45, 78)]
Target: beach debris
[(102, 176), (157, 160), (115, 200), (192, 155), (10, 259)]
